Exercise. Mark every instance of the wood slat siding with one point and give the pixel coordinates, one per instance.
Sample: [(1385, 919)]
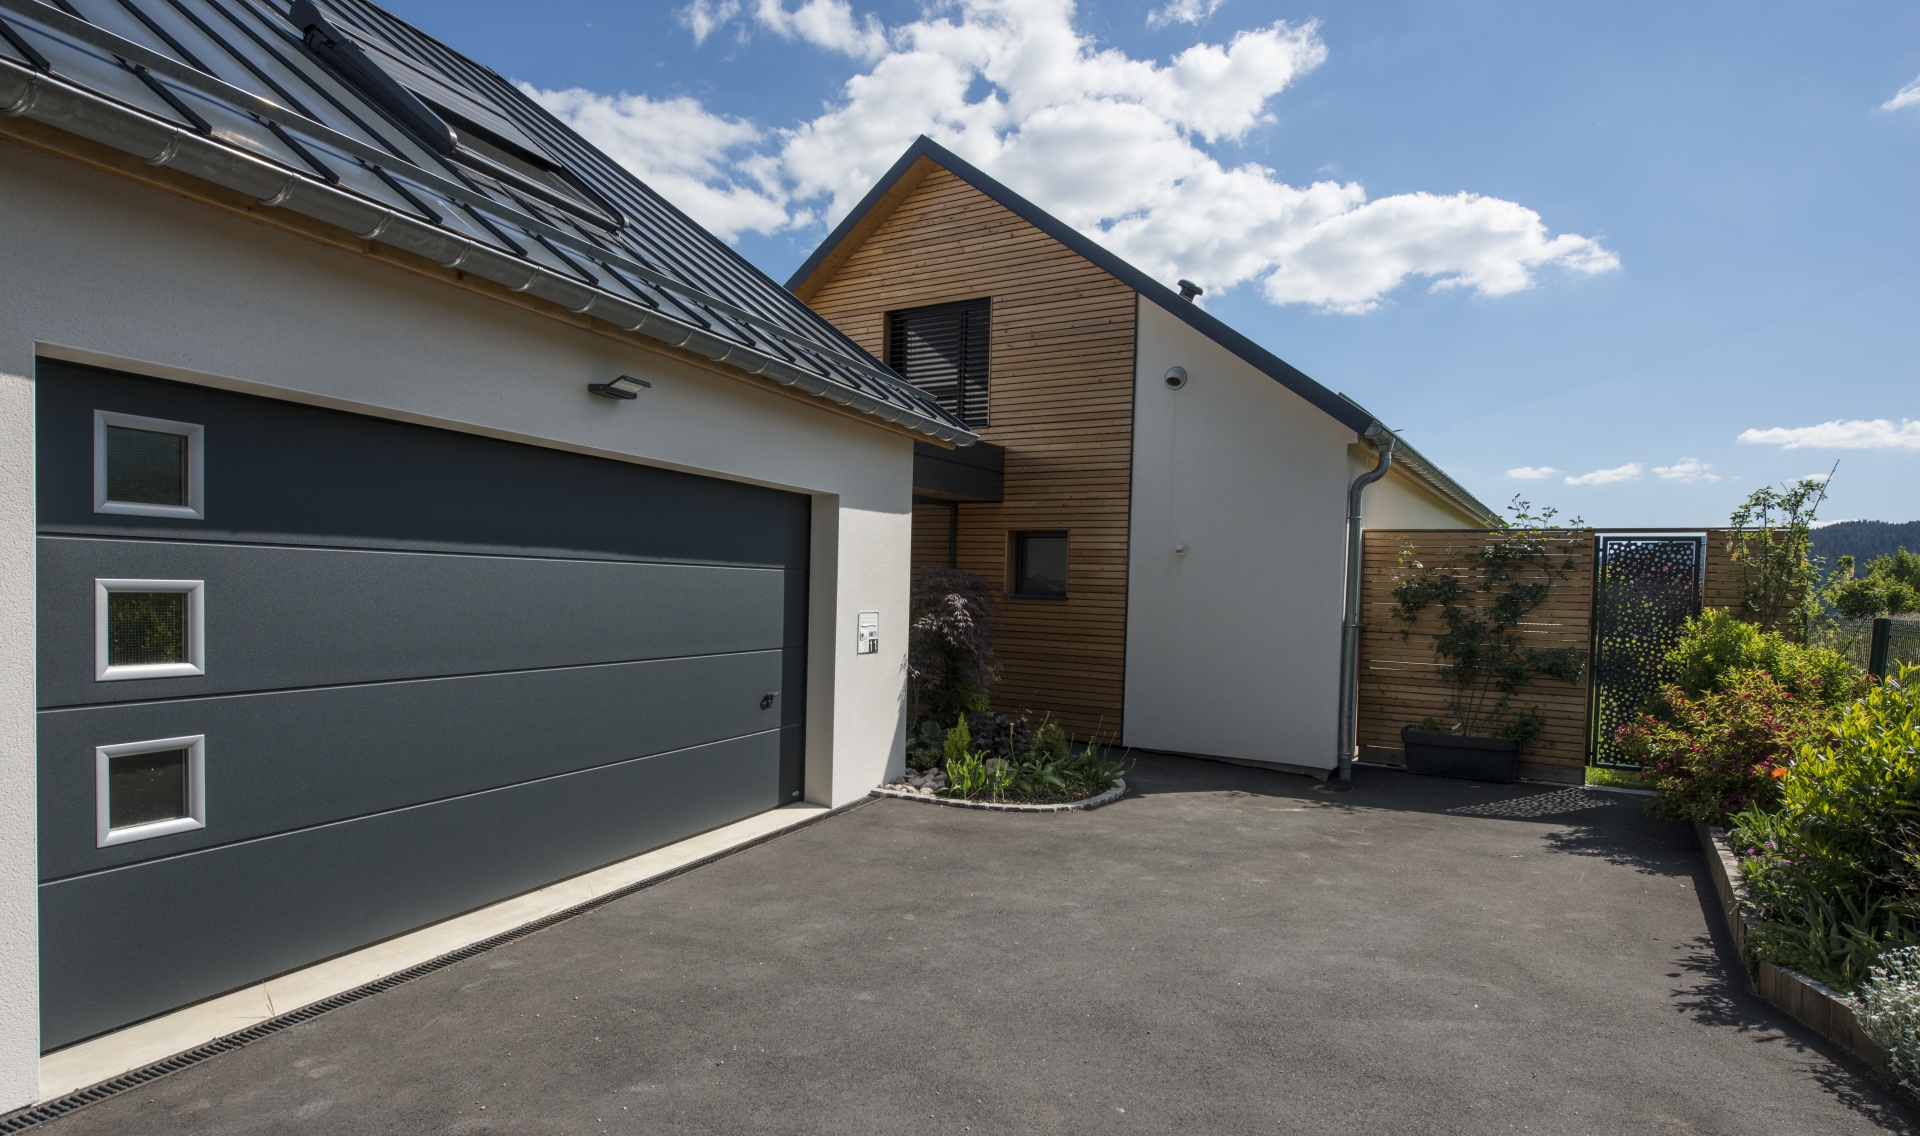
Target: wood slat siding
[(1399, 677), (1061, 401)]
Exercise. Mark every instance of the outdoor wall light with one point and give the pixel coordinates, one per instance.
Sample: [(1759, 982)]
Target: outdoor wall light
[(624, 387)]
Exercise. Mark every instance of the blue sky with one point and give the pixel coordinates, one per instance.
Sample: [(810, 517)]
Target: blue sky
[(1655, 227)]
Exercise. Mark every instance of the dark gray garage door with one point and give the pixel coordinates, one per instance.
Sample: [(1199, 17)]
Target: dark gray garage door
[(309, 679)]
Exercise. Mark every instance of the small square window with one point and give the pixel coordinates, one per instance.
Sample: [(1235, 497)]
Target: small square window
[(1040, 564), (149, 789), (148, 629), (147, 467)]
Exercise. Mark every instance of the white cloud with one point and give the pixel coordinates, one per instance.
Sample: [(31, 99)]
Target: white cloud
[(703, 16), (824, 23), (1905, 97), (1116, 147), (1632, 471), (1687, 470), (1853, 434), (678, 148), (1183, 12), (1533, 472)]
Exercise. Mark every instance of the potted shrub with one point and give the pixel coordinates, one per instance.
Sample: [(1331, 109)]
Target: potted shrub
[(1481, 599)]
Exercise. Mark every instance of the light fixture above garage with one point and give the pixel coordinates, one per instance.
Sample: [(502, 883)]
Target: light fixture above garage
[(624, 387)]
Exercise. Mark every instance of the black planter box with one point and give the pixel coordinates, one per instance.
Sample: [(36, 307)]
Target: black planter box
[(1455, 755)]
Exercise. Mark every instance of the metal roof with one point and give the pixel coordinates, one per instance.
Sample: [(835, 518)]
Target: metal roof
[(356, 118), (1337, 406)]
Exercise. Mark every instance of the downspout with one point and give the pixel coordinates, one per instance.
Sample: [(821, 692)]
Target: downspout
[(1350, 625)]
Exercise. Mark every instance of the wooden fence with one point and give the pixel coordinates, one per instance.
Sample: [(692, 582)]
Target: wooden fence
[(1400, 681)]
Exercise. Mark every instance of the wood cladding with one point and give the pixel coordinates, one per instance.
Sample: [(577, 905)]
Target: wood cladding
[(1060, 399), (1400, 679)]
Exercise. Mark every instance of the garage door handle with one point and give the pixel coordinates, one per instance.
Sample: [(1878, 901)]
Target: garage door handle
[(766, 701)]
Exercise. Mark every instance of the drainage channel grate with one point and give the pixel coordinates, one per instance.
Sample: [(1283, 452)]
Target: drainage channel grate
[(54, 1109)]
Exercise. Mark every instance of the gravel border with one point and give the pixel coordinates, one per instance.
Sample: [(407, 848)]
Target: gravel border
[(1111, 795)]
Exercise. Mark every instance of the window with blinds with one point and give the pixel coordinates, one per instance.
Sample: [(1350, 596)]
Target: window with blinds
[(943, 351)]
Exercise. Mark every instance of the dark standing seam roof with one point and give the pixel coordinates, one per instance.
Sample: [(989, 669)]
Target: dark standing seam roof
[(228, 91), (1336, 406)]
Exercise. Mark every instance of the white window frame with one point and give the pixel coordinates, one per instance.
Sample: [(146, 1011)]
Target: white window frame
[(196, 664), (106, 834), (196, 507)]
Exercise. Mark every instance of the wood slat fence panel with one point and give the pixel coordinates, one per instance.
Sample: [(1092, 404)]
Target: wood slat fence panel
[(1400, 679)]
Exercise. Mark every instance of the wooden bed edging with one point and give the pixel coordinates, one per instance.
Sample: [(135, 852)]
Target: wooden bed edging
[(1811, 1002)]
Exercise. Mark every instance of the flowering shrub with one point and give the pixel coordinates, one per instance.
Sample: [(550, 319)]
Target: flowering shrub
[(1833, 866), (1725, 751), (1890, 1012)]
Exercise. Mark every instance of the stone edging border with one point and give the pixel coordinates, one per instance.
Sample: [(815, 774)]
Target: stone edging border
[(1809, 1001), (1111, 795)]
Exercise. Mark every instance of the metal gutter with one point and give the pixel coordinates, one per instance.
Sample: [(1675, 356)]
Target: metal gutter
[(1420, 467), (56, 102)]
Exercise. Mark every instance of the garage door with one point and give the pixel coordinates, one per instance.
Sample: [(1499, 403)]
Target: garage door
[(309, 679)]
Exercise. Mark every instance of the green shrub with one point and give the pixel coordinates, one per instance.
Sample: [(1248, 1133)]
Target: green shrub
[(1833, 866), (1890, 587), (1706, 758), (1034, 765), (1716, 646)]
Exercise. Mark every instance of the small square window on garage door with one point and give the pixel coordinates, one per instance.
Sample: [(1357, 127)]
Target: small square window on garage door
[(148, 789), (1040, 565), (149, 629), (148, 467)]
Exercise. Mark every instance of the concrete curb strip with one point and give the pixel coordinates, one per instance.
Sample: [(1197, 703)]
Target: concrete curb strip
[(1811, 1002), (1111, 795)]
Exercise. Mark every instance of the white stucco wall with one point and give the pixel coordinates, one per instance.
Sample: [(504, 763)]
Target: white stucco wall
[(1398, 501), (1233, 647), (105, 271)]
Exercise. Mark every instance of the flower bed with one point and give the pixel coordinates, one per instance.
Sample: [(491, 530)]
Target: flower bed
[(1002, 759)]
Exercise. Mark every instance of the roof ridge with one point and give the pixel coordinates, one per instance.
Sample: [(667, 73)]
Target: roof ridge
[(1339, 407)]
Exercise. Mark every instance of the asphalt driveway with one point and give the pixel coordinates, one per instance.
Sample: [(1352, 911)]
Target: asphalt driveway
[(1226, 950)]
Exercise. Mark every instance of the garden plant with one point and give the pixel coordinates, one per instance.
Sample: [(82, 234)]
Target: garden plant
[(1773, 545), (1890, 587), (1889, 1012), (960, 748), (1832, 866), (1482, 597)]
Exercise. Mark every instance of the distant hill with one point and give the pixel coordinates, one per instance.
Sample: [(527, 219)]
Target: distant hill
[(1864, 540)]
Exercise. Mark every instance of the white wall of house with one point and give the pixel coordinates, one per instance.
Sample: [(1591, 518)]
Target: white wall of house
[(1400, 501), (1233, 648), (109, 272)]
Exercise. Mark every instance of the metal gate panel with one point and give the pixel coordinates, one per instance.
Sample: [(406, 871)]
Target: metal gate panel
[(1646, 587)]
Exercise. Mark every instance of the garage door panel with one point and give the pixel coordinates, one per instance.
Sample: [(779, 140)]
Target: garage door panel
[(281, 473), (291, 759), (440, 670), (284, 617), (130, 943)]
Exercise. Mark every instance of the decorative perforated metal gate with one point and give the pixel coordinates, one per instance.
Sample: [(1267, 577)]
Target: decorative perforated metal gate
[(1645, 590)]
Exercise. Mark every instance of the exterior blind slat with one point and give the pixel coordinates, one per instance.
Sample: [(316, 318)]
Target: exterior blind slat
[(943, 351)]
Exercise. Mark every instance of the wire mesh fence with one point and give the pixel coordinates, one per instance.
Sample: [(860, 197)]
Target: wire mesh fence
[(1854, 639)]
